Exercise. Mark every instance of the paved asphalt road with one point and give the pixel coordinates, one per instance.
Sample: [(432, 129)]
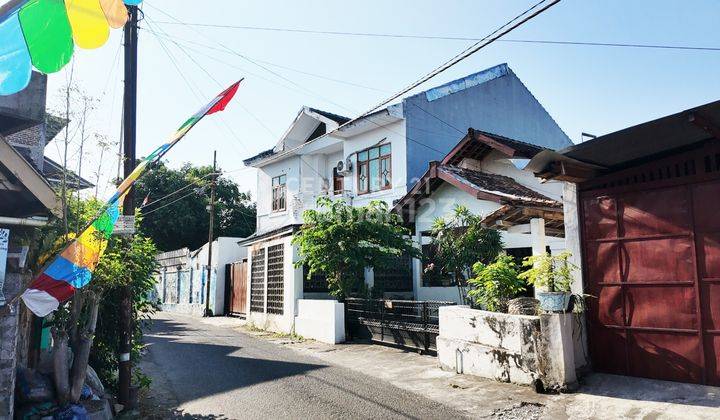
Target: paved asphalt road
[(216, 372)]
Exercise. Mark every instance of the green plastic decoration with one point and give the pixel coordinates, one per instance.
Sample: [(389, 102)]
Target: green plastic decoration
[(48, 34)]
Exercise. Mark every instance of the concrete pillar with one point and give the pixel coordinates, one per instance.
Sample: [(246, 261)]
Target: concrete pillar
[(295, 277), (417, 266), (369, 277), (572, 233), (557, 351), (537, 236), (164, 284)]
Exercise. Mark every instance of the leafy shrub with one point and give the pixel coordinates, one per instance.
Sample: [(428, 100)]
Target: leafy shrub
[(340, 241), (553, 272), (496, 283)]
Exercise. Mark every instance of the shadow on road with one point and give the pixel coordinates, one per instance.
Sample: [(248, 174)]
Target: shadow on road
[(208, 369)]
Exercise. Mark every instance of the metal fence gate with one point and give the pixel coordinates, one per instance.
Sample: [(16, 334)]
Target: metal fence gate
[(406, 323)]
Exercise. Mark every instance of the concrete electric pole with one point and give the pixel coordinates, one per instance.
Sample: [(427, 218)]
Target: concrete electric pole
[(129, 141), (211, 209)]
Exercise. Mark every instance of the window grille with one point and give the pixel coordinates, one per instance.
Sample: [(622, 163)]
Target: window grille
[(275, 279), (317, 283), (257, 281), (397, 277)]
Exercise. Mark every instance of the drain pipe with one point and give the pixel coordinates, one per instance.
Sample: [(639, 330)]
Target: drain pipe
[(28, 221)]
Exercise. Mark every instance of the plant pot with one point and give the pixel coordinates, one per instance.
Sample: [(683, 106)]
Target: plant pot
[(554, 301)]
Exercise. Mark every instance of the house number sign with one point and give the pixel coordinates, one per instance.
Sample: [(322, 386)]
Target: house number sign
[(4, 239)]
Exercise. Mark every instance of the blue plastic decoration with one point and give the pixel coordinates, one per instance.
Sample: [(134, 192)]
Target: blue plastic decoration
[(15, 64)]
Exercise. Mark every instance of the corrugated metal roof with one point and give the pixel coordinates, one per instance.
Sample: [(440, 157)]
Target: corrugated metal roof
[(647, 139)]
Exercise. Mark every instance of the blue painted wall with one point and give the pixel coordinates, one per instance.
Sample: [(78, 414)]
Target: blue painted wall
[(493, 100)]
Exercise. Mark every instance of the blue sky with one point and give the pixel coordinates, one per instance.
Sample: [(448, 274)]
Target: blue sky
[(592, 89)]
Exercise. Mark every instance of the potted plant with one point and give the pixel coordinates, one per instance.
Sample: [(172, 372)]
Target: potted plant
[(495, 284), (552, 277)]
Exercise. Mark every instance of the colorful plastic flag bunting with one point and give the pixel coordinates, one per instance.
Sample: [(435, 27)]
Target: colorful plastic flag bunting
[(90, 28), (43, 34), (15, 67), (72, 268)]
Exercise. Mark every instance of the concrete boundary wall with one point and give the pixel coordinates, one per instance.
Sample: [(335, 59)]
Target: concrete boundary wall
[(321, 320), (520, 349)]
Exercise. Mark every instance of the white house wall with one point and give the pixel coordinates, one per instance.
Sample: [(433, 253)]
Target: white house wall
[(441, 204), (394, 134), (266, 219), (225, 250), (310, 176), (292, 288)]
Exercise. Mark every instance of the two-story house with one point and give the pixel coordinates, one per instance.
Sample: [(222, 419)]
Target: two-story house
[(377, 157)]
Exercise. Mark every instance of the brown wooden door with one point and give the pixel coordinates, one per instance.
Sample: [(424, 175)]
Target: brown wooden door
[(238, 288), (652, 263)]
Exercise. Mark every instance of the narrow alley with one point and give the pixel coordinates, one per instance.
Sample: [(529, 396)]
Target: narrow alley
[(221, 373)]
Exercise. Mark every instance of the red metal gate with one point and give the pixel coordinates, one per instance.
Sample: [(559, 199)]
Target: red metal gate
[(237, 285), (652, 260)]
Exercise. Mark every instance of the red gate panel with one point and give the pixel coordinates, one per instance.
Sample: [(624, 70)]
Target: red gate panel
[(640, 265), (651, 254), (707, 240)]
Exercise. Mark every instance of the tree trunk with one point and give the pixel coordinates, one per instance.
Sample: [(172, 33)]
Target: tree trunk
[(60, 365), (75, 311), (82, 351)]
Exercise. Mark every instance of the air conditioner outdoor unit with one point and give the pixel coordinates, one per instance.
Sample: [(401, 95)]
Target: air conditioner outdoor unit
[(344, 167)]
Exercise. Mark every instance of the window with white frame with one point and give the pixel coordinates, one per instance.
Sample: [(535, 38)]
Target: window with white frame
[(279, 193), (374, 169)]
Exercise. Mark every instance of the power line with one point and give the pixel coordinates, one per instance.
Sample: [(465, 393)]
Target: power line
[(188, 42), (459, 57), (487, 40), (440, 37), (192, 87), (250, 60), (467, 52), (192, 183), (170, 203), (232, 52)]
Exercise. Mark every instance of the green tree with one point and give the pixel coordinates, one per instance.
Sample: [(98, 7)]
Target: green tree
[(127, 260), (460, 241), (496, 283), (87, 325), (340, 241), (185, 222)]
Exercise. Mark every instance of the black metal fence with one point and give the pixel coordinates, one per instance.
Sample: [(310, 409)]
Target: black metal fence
[(407, 323)]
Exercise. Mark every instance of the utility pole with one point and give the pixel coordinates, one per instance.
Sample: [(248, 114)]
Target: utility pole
[(129, 141), (211, 209)]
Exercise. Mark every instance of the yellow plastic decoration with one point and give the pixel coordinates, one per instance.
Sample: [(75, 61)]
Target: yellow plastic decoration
[(116, 12), (89, 25)]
